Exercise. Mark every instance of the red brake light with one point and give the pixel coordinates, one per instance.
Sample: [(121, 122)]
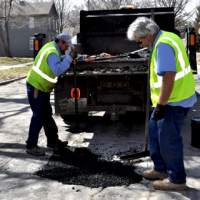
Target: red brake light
[(125, 84), (114, 84), (103, 85)]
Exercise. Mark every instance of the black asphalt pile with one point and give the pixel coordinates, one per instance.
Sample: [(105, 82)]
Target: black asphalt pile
[(132, 69), (140, 54), (78, 166), (118, 65)]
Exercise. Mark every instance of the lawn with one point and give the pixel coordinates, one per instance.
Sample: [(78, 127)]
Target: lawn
[(6, 61), (14, 73)]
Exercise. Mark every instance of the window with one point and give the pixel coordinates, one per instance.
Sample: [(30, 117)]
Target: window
[(49, 23), (54, 24), (31, 22), (31, 41)]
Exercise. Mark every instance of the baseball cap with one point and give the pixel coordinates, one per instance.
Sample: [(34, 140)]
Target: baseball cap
[(66, 38)]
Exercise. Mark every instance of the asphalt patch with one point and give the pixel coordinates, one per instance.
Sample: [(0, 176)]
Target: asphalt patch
[(79, 166)]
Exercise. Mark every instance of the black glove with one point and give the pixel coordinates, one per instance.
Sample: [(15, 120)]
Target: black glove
[(73, 54), (159, 112)]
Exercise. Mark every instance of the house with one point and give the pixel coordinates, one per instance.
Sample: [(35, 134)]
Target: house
[(28, 19)]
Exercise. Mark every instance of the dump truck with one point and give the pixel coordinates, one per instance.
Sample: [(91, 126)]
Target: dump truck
[(111, 86)]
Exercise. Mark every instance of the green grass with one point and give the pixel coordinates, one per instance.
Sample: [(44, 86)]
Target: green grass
[(14, 73), (6, 61)]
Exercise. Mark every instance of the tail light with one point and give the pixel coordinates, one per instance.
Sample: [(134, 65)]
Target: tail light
[(103, 85), (125, 84), (114, 84)]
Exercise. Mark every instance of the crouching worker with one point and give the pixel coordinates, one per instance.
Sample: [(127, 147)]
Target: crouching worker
[(40, 82), (172, 93)]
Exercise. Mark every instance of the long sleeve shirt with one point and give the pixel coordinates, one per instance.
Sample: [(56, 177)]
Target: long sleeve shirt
[(57, 66)]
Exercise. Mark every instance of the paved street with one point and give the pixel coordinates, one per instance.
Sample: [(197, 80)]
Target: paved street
[(107, 139)]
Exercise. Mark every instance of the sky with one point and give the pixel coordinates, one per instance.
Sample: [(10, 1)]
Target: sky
[(192, 4)]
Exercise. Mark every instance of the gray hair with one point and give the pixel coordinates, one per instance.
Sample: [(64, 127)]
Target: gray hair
[(141, 27)]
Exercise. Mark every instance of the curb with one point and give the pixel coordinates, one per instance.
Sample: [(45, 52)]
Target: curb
[(12, 80)]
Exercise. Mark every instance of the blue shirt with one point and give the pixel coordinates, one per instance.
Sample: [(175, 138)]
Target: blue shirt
[(166, 62), (57, 66)]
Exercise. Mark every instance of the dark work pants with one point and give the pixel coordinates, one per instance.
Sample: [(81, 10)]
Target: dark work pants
[(165, 143), (42, 117)]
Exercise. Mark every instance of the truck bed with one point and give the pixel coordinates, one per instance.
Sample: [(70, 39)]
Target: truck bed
[(122, 66)]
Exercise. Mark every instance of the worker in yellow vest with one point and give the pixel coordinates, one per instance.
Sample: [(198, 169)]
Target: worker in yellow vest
[(40, 82), (172, 94)]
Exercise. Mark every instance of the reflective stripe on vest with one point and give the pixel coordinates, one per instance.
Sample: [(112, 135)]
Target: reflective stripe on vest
[(180, 74), (38, 71)]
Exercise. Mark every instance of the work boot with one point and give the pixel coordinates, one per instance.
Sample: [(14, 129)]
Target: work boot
[(152, 174), (36, 151), (57, 144), (167, 185)]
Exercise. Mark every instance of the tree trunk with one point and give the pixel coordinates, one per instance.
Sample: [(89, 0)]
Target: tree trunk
[(8, 40), (5, 46)]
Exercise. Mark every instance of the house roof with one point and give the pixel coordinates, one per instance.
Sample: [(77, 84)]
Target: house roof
[(25, 8)]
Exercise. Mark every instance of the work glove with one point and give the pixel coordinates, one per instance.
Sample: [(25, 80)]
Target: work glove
[(73, 54), (159, 112)]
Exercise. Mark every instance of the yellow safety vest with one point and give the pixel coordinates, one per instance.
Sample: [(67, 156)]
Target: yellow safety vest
[(184, 83), (40, 75)]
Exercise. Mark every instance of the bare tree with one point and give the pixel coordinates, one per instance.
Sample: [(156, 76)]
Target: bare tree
[(5, 12), (73, 19), (108, 4), (63, 8), (72, 15), (183, 15)]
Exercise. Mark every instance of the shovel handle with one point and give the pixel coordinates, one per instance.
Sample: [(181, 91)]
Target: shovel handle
[(97, 59), (74, 60)]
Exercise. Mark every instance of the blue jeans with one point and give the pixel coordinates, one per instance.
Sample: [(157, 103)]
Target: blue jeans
[(165, 143), (42, 117)]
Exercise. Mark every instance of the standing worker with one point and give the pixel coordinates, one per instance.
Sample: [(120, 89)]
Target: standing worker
[(172, 93), (40, 82)]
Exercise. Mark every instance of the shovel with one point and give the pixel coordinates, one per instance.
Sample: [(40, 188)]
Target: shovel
[(77, 128), (146, 151), (134, 54)]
